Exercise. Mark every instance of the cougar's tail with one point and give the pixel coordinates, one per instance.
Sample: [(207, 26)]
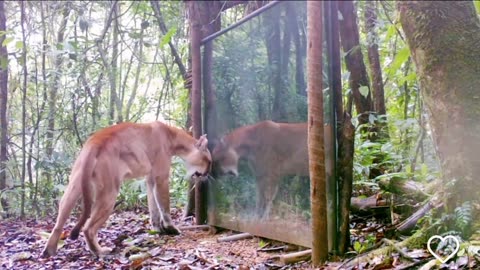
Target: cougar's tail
[(82, 171), (87, 174)]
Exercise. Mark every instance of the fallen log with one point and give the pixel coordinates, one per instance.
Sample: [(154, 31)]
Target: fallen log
[(234, 237), (408, 224), (368, 206), (407, 188), (295, 257), (195, 227)]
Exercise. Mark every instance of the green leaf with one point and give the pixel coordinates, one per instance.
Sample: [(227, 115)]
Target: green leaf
[(19, 45), (168, 36), (357, 246), (364, 90), (477, 5), (401, 57), (7, 40), (390, 32)]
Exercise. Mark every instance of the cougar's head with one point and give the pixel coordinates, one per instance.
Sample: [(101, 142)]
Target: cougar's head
[(199, 160), (225, 158)]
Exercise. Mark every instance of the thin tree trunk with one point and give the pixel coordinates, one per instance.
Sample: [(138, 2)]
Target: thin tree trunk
[(137, 77), (24, 109), (315, 134), (163, 28), (274, 52), (114, 96), (381, 127), (195, 37), (443, 38), (112, 77), (375, 68), (3, 105), (354, 61), (45, 93), (292, 22), (212, 23), (374, 57), (52, 99)]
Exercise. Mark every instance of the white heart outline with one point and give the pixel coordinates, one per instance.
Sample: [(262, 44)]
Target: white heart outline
[(442, 239)]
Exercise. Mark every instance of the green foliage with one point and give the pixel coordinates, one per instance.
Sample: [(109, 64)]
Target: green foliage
[(74, 73), (133, 194), (365, 244)]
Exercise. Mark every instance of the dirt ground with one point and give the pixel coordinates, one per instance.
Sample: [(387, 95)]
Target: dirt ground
[(135, 247)]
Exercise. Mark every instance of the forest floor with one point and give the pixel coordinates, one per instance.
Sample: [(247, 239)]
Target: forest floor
[(21, 243), (135, 247)]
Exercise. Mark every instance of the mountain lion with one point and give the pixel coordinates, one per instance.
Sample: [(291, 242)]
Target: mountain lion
[(120, 152), (273, 150)]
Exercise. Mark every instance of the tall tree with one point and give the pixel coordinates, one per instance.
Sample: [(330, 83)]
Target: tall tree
[(300, 49), (374, 58), (24, 109), (55, 83), (358, 79), (443, 38), (316, 156), (3, 102), (276, 50)]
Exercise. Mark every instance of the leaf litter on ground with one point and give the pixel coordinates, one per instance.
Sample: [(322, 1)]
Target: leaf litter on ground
[(134, 247)]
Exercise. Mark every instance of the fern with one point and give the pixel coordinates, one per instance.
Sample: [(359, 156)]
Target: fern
[(463, 217)]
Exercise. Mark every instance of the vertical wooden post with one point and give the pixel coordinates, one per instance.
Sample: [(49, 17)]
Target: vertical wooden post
[(3, 105), (196, 37), (315, 134), (335, 119), (209, 95)]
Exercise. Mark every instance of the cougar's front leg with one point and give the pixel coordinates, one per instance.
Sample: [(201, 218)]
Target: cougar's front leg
[(260, 196), (155, 216), (267, 190), (159, 185)]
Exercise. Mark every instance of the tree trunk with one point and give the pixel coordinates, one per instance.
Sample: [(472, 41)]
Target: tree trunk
[(354, 61), (315, 134), (211, 23), (3, 105), (52, 99), (380, 128), (443, 38), (163, 28), (292, 22), (24, 109), (274, 52), (114, 95), (375, 68), (194, 9), (133, 95)]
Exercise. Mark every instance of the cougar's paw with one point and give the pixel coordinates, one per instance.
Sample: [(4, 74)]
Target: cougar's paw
[(48, 252), (104, 251), (74, 233), (170, 229)]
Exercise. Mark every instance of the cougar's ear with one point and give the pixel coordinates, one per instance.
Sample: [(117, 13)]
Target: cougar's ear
[(190, 131), (202, 142)]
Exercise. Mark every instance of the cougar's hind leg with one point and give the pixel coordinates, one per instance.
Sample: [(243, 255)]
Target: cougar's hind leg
[(68, 201), (101, 210), (81, 221)]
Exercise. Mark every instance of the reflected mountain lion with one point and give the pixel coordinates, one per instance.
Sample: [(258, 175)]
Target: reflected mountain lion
[(273, 150)]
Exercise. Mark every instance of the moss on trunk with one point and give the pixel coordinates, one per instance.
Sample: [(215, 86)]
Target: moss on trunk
[(443, 38)]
